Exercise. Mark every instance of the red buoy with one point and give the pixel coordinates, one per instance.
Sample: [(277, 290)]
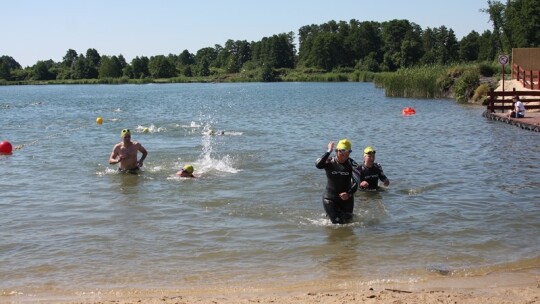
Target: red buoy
[(408, 111), (5, 147)]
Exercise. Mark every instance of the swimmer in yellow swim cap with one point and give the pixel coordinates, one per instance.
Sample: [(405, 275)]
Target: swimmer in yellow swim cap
[(371, 172), (125, 153), (186, 171)]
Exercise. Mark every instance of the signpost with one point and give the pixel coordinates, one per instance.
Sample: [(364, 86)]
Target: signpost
[(503, 60)]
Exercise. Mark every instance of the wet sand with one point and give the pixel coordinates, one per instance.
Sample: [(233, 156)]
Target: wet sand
[(506, 287)]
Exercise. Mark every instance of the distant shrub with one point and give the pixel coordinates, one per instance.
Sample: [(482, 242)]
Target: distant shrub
[(343, 70), (466, 85), (481, 92), (486, 70)]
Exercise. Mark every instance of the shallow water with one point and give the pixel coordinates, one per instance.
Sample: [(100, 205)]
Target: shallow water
[(463, 200)]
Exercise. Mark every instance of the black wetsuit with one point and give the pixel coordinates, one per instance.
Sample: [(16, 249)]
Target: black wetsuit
[(372, 175), (340, 179)]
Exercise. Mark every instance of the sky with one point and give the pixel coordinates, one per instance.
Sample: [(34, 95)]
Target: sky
[(34, 30)]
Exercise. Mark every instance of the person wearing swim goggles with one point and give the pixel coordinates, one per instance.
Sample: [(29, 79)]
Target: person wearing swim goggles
[(371, 172), (186, 171), (125, 154), (342, 182)]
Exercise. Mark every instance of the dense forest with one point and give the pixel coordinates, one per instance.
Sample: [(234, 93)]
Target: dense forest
[(333, 46)]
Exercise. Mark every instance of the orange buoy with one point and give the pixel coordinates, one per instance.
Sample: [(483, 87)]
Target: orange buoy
[(408, 111)]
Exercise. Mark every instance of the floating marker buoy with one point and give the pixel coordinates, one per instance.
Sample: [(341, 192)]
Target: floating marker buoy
[(146, 130), (99, 120), (408, 111), (5, 147)]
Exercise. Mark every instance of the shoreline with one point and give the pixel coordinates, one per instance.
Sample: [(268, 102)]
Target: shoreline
[(522, 286)]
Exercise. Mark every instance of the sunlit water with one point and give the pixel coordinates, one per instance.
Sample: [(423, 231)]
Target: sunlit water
[(464, 197)]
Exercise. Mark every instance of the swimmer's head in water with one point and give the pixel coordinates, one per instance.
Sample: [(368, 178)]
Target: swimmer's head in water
[(125, 132), (188, 169)]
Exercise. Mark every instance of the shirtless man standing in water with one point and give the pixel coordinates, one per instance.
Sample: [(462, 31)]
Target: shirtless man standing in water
[(125, 153)]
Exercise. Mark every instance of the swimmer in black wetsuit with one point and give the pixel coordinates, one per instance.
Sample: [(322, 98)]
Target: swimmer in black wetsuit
[(338, 197), (371, 172)]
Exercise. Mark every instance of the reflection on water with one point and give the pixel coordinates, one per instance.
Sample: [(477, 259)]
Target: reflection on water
[(343, 253), (128, 183)]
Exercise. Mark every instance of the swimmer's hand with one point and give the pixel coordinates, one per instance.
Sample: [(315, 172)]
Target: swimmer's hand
[(344, 196)]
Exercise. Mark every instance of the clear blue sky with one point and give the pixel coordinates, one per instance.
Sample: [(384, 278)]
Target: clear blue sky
[(35, 30)]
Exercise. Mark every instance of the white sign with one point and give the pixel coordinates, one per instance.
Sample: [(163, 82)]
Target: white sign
[(503, 59)]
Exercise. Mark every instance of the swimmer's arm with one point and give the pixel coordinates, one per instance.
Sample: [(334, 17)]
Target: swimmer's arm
[(320, 163), (114, 154), (144, 154), (383, 177)]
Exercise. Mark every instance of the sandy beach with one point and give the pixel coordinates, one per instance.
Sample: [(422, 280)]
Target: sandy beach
[(506, 287)]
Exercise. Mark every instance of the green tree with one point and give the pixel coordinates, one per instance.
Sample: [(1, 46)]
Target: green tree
[(268, 74), (365, 41), (11, 63), (203, 67), (326, 50), (41, 71), (277, 51), (495, 10), (522, 23), (93, 57), (393, 34), (440, 46), (186, 58), (411, 47), (469, 47), (140, 67), (7, 65), (70, 57), (80, 68), (487, 47), (160, 67), (306, 36), (234, 55), (207, 54), (110, 67), (5, 72)]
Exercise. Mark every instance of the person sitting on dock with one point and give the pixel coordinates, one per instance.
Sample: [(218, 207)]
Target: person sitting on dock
[(519, 108)]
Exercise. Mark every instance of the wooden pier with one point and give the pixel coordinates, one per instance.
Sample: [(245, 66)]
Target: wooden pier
[(531, 121), (499, 104)]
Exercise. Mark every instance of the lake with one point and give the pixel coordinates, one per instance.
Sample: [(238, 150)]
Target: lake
[(464, 198)]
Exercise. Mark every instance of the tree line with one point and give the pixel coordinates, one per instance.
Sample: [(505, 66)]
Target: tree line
[(333, 46)]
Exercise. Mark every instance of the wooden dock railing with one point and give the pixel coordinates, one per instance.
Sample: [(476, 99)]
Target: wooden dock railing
[(503, 100), (530, 79)]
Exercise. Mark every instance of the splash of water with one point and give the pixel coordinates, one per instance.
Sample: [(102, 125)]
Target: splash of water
[(150, 129), (206, 161)]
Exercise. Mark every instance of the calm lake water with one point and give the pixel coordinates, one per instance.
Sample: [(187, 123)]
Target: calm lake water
[(464, 197)]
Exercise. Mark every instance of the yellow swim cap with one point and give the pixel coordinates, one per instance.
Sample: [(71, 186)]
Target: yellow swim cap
[(369, 149), (344, 144), (188, 168), (125, 132)]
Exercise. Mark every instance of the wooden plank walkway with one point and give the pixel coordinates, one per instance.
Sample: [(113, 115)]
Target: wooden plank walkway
[(531, 121)]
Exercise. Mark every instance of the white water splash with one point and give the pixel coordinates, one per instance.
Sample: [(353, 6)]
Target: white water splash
[(150, 129)]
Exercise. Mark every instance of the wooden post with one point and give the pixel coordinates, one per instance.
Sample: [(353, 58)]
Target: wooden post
[(502, 77)]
